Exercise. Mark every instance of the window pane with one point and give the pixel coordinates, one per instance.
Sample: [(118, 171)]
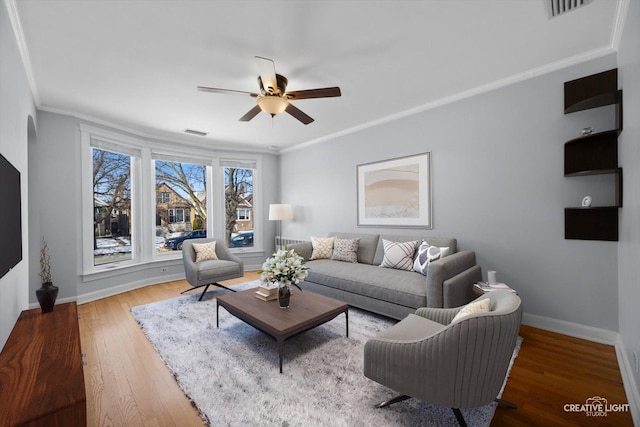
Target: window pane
[(180, 204), (238, 207), (111, 207)]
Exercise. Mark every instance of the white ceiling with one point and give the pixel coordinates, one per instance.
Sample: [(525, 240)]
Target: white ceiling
[(135, 64)]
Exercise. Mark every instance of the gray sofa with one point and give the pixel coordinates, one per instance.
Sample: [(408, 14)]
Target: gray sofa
[(387, 291)]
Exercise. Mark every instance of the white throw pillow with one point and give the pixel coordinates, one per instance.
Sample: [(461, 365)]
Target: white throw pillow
[(205, 251), (426, 255), (398, 255), (322, 248), (481, 306)]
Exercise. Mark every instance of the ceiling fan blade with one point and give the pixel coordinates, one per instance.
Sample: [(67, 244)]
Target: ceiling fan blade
[(251, 114), (267, 71), (298, 114), (326, 92), (226, 91)]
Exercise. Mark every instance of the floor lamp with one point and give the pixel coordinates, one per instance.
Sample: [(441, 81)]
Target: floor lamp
[(278, 212)]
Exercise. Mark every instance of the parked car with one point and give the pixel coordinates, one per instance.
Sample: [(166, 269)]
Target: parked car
[(242, 240), (175, 243)]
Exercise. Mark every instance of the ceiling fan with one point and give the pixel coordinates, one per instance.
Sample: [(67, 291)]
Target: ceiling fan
[(273, 97)]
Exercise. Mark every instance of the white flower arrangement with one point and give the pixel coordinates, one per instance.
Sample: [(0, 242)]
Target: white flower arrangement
[(285, 267)]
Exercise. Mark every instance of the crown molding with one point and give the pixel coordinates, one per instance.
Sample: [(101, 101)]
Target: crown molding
[(189, 141), (497, 84), (618, 25), (16, 25)]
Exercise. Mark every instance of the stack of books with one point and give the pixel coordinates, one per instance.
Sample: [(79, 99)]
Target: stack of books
[(488, 287), (267, 292)]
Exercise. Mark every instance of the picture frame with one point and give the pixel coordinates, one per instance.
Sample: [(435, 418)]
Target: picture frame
[(396, 192)]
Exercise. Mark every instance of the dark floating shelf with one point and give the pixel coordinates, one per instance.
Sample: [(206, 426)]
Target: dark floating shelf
[(599, 223), (595, 154), (592, 91)]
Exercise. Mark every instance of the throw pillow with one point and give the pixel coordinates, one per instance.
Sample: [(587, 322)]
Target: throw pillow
[(426, 255), (205, 251), (481, 306), (345, 250), (322, 248), (398, 255)]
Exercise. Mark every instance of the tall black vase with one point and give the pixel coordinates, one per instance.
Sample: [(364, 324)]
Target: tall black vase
[(47, 295)]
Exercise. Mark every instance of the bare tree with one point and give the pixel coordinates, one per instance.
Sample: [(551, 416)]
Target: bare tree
[(239, 184), (111, 187), (186, 177)]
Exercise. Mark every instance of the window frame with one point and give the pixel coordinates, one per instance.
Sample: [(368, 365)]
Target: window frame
[(108, 141), (219, 198), (144, 152)]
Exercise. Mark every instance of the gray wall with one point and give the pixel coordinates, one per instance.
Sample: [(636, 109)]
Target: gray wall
[(55, 213), (498, 186), (629, 146), (17, 111)]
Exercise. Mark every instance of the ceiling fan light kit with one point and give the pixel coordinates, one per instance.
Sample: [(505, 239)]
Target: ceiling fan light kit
[(273, 98), (272, 104)]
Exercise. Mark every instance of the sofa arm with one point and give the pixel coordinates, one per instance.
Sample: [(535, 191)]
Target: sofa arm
[(441, 271), (304, 249), (458, 290)]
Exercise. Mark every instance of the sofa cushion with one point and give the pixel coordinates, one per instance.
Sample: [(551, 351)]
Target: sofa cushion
[(426, 255), (366, 247), (345, 250), (322, 248), (205, 251), (406, 288), (435, 241), (217, 268), (399, 255), (479, 306)]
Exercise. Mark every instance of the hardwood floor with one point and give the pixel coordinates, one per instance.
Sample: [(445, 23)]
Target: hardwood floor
[(127, 384)]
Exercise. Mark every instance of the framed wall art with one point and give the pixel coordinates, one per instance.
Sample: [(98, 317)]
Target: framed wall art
[(395, 192)]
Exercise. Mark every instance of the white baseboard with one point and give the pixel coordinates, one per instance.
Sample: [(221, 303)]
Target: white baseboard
[(603, 336), (629, 382)]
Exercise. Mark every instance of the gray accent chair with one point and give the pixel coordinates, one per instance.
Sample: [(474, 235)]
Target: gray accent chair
[(207, 273), (460, 365)]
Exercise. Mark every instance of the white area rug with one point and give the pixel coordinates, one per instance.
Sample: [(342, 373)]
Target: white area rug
[(231, 373)]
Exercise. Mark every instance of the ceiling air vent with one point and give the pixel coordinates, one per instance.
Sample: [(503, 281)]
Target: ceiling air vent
[(560, 7), (196, 132)]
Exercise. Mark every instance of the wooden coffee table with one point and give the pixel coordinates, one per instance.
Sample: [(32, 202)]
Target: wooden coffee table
[(307, 310)]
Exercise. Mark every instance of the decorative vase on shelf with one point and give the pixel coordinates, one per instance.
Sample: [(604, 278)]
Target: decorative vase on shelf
[(284, 294), (47, 295)]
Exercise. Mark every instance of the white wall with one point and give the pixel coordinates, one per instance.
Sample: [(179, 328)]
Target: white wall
[(16, 106), (498, 187), (629, 247), (55, 213)]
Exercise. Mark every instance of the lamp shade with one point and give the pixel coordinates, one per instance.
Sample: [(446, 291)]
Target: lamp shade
[(280, 212)]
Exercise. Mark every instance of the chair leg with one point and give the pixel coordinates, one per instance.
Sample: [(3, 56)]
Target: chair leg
[(393, 400), (506, 403), (459, 417), (206, 287), (204, 292)]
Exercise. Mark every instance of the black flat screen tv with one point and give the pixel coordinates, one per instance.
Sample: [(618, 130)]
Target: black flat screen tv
[(10, 216)]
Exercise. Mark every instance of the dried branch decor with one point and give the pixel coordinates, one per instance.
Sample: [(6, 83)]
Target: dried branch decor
[(45, 267)]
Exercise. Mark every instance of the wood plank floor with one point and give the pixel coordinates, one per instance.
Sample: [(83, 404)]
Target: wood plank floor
[(127, 383)]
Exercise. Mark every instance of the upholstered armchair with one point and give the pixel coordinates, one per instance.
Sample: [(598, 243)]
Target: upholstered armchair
[(459, 364), (209, 271)]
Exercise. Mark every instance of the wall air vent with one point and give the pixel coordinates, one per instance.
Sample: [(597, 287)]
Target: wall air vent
[(196, 132), (560, 7)]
